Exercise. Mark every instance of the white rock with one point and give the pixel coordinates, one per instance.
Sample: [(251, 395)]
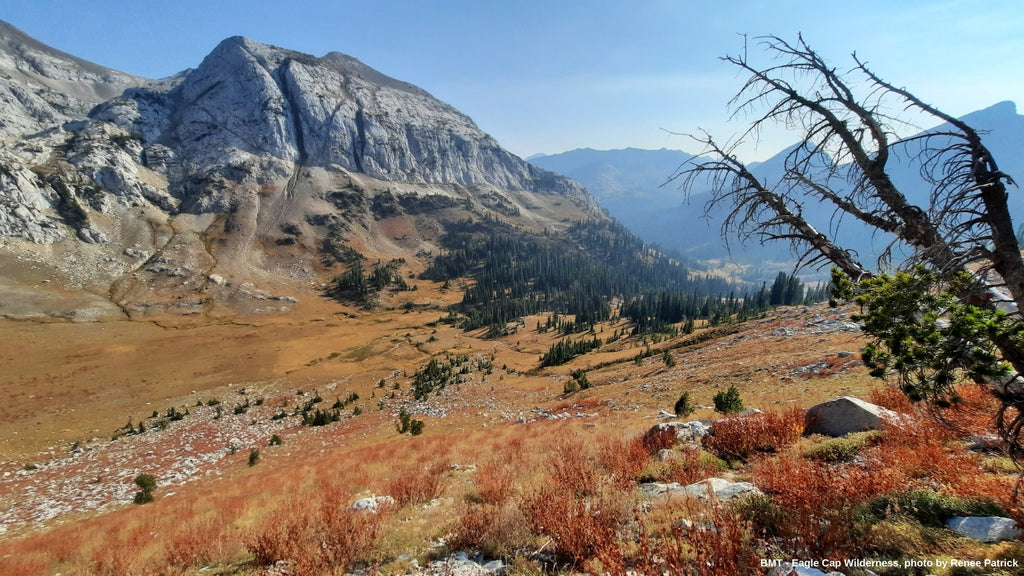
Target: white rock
[(372, 503), (985, 528), (720, 488)]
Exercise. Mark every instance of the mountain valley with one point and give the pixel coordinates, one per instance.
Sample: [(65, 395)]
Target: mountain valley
[(283, 314)]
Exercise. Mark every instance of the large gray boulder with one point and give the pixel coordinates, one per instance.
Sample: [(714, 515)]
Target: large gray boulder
[(846, 415), (985, 528)]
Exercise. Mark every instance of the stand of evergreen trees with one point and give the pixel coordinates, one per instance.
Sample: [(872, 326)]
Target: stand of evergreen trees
[(356, 286), (517, 275)]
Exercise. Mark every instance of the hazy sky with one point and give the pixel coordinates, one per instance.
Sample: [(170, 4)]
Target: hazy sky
[(549, 76)]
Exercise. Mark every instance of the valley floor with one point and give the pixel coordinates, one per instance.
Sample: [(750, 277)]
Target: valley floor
[(214, 413)]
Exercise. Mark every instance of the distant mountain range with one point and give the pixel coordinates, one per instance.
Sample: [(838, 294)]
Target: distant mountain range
[(632, 184)]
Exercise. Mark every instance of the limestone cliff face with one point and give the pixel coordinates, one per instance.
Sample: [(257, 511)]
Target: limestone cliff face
[(259, 160), (278, 105), (248, 114), (42, 88)]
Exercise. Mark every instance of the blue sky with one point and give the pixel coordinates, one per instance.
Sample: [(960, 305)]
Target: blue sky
[(549, 76)]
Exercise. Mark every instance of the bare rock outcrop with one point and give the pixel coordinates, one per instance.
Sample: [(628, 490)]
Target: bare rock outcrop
[(255, 148)]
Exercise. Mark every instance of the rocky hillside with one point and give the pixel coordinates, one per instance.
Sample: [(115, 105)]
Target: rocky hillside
[(237, 181)]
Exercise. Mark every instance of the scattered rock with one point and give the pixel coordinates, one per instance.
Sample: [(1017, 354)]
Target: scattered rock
[(720, 488), (985, 528), (987, 443), (664, 455), (667, 433), (846, 415), (788, 569), (372, 503)]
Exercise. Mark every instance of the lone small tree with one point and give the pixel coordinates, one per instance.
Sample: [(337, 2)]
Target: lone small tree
[(684, 407), (146, 484), (958, 317), (728, 401)]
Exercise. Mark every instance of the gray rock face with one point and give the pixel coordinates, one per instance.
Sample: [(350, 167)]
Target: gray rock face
[(252, 111), (250, 167), (26, 205), (846, 415), (985, 529), (249, 115), (44, 88)]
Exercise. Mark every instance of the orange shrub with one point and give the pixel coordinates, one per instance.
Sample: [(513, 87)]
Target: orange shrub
[(25, 565), (624, 458), (692, 466), (891, 397), (740, 437), (659, 438), (571, 469), (497, 531), (720, 545), (315, 539), (818, 501), (580, 528), (495, 482), (417, 484), (975, 413), (193, 545), (921, 449)]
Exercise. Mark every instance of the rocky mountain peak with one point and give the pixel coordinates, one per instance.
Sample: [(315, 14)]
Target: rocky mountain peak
[(259, 147), (43, 87)]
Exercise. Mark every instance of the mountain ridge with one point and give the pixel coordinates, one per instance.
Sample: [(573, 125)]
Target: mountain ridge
[(664, 215), (248, 168)]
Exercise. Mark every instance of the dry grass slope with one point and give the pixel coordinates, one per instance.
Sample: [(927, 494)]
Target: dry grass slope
[(507, 465)]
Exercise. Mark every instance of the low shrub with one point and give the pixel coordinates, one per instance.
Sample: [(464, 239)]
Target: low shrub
[(821, 502), (323, 539), (146, 484), (495, 482), (582, 529), (624, 458), (406, 423), (684, 407), (842, 449), (720, 544), (571, 469), (891, 397), (194, 545), (693, 465), (771, 520), (417, 484), (741, 437), (930, 508), (496, 531)]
